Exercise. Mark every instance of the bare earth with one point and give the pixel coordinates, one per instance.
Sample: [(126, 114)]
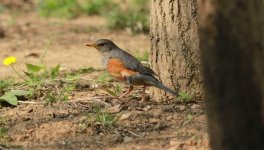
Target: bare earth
[(170, 125)]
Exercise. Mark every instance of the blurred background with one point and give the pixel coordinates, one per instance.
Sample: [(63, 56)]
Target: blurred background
[(57, 30)]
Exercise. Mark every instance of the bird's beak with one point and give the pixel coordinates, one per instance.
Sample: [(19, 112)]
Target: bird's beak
[(91, 45)]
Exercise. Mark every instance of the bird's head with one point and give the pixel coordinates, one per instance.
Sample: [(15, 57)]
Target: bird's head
[(103, 45)]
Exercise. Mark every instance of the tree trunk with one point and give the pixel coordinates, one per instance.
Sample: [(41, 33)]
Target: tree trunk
[(2, 33), (232, 47), (174, 46)]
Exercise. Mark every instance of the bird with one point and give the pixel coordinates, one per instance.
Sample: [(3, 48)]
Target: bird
[(125, 67)]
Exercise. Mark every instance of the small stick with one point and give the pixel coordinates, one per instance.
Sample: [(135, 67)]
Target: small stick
[(97, 99), (134, 134), (30, 102)]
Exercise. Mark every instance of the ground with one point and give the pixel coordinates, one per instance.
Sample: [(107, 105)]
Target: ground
[(170, 124)]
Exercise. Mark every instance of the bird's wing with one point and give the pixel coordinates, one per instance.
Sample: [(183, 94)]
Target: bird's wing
[(132, 63)]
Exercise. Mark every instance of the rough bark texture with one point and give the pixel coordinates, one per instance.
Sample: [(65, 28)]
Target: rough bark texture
[(232, 47), (175, 46)]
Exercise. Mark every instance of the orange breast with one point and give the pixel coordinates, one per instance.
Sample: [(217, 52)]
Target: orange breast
[(117, 69)]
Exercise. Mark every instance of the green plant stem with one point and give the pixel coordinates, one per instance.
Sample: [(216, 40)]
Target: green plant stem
[(45, 51), (15, 69)]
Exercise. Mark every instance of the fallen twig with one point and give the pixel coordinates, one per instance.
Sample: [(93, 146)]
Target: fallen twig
[(134, 134), (30, 102), (96, 99)]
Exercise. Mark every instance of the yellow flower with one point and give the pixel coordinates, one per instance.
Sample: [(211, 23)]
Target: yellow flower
[(9, 60)]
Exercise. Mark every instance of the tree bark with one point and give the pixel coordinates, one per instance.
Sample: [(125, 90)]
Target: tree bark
[(174, 51), (2, 33), (232, 49)]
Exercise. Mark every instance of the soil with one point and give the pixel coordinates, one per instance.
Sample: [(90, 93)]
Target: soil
[(171, 124)]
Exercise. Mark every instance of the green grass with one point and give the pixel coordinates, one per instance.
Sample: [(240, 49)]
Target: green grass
[(73, 8), (96, 7), (2, 8), (104, 78), (4, 85), (82, 70), (40, 82), (133, 16), (144, 57), (101, 117), (3, 133), (56, 87), (114, 91), (185, 96), (135, 21), (58, 8), (3, 129), (62, 93), (43, 83)]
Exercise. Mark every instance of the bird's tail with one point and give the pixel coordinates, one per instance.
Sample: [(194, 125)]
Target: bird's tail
[(155, 82), (151, 80), (163, 87)]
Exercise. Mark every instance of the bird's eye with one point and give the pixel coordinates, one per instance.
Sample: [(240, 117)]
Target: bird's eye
[(101, 44)]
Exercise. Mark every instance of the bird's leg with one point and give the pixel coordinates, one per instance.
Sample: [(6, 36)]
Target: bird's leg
[(143, 93), (127, 92)]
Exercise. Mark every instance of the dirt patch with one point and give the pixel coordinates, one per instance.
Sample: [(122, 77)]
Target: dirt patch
[(148, 125)]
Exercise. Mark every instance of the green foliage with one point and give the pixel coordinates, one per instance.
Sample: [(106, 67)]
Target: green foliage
[(2, 8), (135, 17), (4, 85), (3, 133), (58, 8), (140, 2), (34, 68), (105, 77), (41, 82), (144, 57), (95, 7), (131, 19), (11, 21), (20, 92), (33, 73), (59, 93), (82, 71), (190, 117), (73, 8), (54, 71), (102, 118), (3, 129), (115, 91), (185, 96), (41, 77), (11, 96), (37, 74), (3, 120)]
